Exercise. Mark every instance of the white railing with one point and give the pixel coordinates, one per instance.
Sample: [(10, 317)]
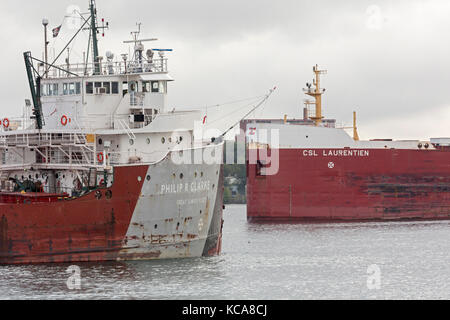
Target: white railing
[(108, 68), (16, 124), (43, 139)]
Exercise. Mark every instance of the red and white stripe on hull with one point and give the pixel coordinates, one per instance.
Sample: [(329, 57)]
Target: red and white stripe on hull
[(136, 223), (324, 175)]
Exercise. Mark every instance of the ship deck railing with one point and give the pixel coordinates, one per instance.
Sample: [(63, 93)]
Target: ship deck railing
[(43, 139), (84, 158), (107, 68)]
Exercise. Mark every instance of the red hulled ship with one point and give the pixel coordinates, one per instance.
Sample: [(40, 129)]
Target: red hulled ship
[(309, 170), (98, 169)]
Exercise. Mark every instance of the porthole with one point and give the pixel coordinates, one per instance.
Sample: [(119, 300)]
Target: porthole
[(149, 178), (163, 140), (196, 174), (98, 194), (156, 226), (148, 140), (170, 140), (131, 142), (202, 174), (139, 179), (181, 176), (100, 141), (181, 139), (108, 194)]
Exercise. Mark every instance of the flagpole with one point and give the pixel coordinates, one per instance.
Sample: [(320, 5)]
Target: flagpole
[(45, 24)]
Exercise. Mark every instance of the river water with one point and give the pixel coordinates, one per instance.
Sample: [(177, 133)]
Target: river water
[(391, 260)]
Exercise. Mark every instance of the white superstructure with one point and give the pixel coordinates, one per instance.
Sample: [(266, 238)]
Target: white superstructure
[(92, 116)]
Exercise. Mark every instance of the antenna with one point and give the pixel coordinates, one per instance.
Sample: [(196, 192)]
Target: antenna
[(138, 46), (94, 31)]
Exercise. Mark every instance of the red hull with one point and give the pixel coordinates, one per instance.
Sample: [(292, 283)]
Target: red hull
[(385, 185), (83, 229)]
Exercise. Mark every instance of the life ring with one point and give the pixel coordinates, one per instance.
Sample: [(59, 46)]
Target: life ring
[(64, 120), (100, 157), (6, 123), (101, 183)]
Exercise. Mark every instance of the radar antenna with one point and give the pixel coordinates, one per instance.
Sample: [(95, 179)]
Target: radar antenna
[(138, 46)]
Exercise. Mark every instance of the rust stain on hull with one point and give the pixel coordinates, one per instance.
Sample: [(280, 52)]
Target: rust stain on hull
[(75, 230), (387, 185)]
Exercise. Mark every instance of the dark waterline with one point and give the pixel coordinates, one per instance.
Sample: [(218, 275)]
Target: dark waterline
[(267, 261)]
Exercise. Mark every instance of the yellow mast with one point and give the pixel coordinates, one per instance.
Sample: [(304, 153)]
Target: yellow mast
[(316, 93), (355, 129)]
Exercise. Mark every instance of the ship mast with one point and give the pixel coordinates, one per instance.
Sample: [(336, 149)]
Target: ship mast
[(355, 128), (94, 31), (316, 93)]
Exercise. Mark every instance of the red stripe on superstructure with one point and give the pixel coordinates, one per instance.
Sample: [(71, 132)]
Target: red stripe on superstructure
[(383, 185), (83, 229)]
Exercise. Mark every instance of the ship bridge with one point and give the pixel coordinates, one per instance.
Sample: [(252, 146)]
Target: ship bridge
[(122, 94)]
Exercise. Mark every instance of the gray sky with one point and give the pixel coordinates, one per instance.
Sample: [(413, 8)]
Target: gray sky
[(388, 60)]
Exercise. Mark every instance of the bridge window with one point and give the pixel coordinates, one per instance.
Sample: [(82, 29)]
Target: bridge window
[(155, 86), (107, 86), (44, 90), (65, 89), (72, 88), (115, 87), (145, 86), (53, 89), (89, 88)]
